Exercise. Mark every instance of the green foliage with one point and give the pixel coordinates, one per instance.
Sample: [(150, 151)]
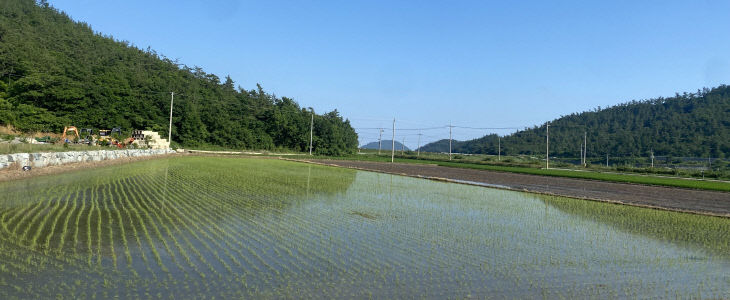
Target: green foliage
[(695, 125), (56, 72)]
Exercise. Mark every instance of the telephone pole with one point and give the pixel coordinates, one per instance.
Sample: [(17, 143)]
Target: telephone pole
[(311, 133), (652, 158), (547, 146), (419, 145), (450, 140), (585, 148), (403, 147), (581, 154), (380, 140), (169, 130), (499, 148), (392, 148)]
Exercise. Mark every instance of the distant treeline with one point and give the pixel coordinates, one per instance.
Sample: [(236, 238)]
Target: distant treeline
[(56, 72), (686, 125)]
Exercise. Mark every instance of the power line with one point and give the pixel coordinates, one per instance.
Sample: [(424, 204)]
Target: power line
[(485, 128)]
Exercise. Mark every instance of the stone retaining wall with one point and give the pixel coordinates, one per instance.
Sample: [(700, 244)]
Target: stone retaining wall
[(39, 160)]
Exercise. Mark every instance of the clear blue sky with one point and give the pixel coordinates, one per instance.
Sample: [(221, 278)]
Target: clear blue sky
[(428, 63)]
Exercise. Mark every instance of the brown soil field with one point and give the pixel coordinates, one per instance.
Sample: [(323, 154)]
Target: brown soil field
[(712, 203)]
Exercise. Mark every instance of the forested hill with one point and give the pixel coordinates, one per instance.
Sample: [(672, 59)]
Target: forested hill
[(686, 125), (57, 72)]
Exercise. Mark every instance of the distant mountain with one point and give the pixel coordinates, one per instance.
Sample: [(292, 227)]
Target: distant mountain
[(387, 145), (686, 125)]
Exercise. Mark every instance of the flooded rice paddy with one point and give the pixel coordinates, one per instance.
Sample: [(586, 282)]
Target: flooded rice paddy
[(211, 227)]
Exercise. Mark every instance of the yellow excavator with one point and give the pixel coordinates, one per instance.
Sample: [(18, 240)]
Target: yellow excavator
[(68, 129)]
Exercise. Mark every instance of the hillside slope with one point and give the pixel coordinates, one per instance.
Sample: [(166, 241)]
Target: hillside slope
[(56, 72), (686, 125)]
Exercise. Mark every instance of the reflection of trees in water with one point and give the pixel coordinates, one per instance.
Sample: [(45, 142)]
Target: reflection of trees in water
[(708, 233), (92, 212)]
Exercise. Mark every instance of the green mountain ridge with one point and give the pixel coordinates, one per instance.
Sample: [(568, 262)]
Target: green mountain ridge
[(56, 72), (685, 125)]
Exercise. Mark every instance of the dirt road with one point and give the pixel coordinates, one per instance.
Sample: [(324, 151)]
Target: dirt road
[(686, 200)]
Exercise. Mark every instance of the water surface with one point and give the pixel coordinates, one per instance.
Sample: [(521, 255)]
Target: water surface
[(231, 227)]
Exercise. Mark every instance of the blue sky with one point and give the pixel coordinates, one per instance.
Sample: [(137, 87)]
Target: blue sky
[(429, 63)]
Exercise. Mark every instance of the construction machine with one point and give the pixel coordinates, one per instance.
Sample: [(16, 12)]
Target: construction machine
[(68, 129), (123, 144)]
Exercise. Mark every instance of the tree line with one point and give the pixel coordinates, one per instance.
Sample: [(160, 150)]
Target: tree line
[(685, 125), (56, 72)]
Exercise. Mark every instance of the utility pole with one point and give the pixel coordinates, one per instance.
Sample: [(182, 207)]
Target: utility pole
[(606, 159), (450, 140), (547, 146), (392, 148), (403, 147), (581, 153), (419, 145), (499, 148), (652, 158), (585, 149), (311, 133), (380, 140), (169, 130)]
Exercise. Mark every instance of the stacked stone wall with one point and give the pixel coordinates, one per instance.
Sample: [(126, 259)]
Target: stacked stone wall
[(39, 160)]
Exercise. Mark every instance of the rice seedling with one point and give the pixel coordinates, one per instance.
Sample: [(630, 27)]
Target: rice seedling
[(275, 229)]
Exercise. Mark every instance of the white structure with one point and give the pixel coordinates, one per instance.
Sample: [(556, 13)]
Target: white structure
[(150, 139)]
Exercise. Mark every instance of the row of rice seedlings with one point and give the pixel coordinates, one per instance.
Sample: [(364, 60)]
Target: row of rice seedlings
[(136, 218), (109, 197), (308, 229), (278, 233), (47, 214), (219, 235), (163, 214), (99, 196), (113, 198), (47, 244), (65, 226), (137, 188), (187, 220), (76, 240), (23, 226), (124, 204), (139, 211), (326, 215), (89, 214), (255, 237), (21, 211)]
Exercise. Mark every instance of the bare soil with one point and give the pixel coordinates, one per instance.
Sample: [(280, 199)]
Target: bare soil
[(703, 202)]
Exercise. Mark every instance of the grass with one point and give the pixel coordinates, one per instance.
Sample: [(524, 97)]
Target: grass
[(691, 183)]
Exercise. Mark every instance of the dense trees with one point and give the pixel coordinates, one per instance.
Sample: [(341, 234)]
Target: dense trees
[(690, 124), (56, 72)]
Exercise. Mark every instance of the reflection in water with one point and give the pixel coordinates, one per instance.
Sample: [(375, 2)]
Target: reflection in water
[(248, 228), (700, 232)]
